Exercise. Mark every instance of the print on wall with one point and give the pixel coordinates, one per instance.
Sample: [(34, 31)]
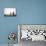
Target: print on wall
[(9, 11), (32, 32)]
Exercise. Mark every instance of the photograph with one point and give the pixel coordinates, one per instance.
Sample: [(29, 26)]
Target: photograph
[(9, 11)]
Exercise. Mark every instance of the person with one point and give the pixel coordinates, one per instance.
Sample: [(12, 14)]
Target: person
[(13, 13)]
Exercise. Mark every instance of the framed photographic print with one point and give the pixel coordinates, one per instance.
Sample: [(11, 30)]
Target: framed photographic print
[(9, 11), (31, 32)]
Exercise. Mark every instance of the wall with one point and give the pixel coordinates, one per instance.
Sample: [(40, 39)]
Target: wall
[(28, 12)]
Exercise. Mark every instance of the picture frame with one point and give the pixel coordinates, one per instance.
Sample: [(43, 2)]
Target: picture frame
[(9, 11)]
